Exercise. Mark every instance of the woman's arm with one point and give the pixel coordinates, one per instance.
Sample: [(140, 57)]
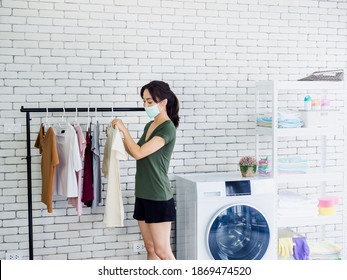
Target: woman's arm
[(134, 150), (126, 148)]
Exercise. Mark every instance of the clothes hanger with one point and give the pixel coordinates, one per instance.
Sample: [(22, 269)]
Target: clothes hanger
[(62, 124), (75, 122), (46, 124), (63, 120), (96, 115), (113, 114), (112, 117), (88, 120)]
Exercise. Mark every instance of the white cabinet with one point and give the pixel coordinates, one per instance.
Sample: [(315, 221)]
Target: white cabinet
[(272, 96)]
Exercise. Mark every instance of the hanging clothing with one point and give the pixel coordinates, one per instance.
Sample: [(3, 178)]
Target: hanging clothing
[(65, 181), (77, 201), (87, 189), (49, 161), (96, 165), (114, 151)]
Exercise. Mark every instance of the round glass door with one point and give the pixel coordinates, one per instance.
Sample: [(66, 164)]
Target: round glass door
[(239, 232)]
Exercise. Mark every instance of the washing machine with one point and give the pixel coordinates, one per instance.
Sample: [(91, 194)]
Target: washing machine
[(224, 216)]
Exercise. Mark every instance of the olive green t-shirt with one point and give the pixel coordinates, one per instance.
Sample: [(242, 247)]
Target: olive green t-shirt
[(151, 179)]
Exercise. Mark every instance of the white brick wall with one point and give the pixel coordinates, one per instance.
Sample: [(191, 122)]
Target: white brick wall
[(63, 53)]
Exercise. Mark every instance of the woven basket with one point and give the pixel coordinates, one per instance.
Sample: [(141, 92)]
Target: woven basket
[(248, 171)]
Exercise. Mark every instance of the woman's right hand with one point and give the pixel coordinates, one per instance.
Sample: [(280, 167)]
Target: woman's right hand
[(119, 123)]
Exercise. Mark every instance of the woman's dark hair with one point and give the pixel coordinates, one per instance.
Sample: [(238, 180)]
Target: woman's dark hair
[(159, 91)]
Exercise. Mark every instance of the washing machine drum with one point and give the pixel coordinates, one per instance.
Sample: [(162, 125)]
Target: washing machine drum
[(238, 232)]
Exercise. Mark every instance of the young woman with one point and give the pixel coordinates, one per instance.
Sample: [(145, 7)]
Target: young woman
[(154, 205)]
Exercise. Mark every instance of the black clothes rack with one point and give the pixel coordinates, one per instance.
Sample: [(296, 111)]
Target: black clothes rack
[(28, 157)]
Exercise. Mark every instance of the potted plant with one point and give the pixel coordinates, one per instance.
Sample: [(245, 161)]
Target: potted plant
[(248, 166)]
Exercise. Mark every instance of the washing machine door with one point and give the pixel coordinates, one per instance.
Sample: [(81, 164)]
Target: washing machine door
[(238, 232)]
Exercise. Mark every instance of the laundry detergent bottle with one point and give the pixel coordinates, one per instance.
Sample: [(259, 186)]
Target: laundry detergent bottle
[(307, 103)]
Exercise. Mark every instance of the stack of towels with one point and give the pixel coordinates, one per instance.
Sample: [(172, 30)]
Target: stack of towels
[(288, 165), (294, 164), (324, 250), (264, 121), (265, 167), (327, 205), (292, 204), (286, 119)]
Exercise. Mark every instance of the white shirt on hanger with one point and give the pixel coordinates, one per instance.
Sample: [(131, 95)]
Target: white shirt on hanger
[(65, 180), (114, 151)]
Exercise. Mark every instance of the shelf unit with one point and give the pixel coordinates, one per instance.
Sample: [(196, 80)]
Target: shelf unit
[(320, 175)]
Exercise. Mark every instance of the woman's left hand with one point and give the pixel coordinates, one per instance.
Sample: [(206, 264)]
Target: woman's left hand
[(119, 123)]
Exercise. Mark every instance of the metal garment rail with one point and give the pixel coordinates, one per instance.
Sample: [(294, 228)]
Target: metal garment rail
[(28, 157)]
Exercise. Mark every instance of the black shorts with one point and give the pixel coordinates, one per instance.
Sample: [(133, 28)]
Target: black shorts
[(152, 211)]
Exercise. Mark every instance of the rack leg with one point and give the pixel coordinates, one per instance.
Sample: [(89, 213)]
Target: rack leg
[(30, 210)]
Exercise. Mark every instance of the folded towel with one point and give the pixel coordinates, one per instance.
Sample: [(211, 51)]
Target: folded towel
[(326, 211), (297, 213), (328, 201), (323, 248), (286, 119), (286, 165), (293, 197)]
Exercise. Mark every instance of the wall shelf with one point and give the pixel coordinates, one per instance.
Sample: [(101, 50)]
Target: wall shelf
[(322, 174), (313, 175), (302, 131), (300, 85), (284, 221)]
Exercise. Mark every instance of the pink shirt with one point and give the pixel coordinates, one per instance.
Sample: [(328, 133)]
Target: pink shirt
[(82, 143)]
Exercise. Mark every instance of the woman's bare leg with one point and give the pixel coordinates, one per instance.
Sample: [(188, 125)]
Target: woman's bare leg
[(148, 240), (160, 233)]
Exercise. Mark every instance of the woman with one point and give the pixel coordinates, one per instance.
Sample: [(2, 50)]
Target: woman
[(154, 204)]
